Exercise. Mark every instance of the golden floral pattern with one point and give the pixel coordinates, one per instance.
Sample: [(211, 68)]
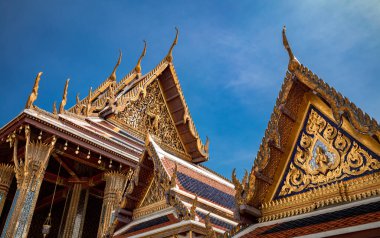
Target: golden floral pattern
[(325, 154), (150, 114)]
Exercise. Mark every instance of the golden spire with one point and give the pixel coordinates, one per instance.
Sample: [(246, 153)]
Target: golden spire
[(77, 99), (174, 176), (169, 56), (112, 77), (207, 144), (55, 108), (138, 65), (193, 207), (293, 62), (64, 98), (88, 103), (33, 95)]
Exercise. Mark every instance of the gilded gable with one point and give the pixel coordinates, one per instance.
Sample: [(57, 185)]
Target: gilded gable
[(149, 114), (324, 153)]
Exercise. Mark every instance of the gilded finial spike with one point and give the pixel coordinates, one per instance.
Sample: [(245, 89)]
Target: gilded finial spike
[(207, 144), (193, 207), (112, 77), (64, 98), (33, 95), (293, 62), (138, 65), (286, 43), (174, 176), (169, 57), (55, 108), (90, 94), (77, 99)]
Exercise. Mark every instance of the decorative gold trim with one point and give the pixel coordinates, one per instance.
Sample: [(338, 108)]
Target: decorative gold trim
[(149, 209), (344, 191)]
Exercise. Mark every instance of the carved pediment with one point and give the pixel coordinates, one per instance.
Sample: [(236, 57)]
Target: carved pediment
[(149, 114), (324, 154)]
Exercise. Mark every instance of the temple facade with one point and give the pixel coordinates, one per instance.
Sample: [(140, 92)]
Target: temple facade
[(125, 161), (317, 172)]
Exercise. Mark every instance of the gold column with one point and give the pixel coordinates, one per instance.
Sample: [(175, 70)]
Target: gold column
[(76, 213), (113, 192), (6, 176), (29, 174)]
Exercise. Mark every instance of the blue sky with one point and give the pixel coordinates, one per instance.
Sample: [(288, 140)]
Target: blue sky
[(229, 58)]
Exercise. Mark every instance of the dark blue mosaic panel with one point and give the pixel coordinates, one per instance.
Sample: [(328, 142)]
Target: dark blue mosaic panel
[(206, 191), (146, 224)]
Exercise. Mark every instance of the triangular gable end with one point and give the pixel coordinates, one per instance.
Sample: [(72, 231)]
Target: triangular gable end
[(319, 149), (324, 153), (155, 104)]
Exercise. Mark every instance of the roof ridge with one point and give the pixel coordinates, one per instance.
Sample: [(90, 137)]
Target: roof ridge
[(340, 105)]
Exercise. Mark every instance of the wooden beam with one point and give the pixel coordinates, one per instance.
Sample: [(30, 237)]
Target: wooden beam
[(53, 178), (287, 112), (46, 201), (245, 209), (65, 166), (88, 162)]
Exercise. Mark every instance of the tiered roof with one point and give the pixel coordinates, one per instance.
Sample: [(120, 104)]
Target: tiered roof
[(143, 123)]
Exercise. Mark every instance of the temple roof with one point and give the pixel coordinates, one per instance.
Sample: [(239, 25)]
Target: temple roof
[(111, 98), (289, 127), (95, 134), (195, 195)]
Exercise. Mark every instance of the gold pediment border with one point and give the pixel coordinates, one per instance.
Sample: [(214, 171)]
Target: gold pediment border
[(338, 192), (311, 99)]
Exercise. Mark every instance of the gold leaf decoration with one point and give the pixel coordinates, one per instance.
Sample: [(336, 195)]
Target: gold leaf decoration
[(150, 114), (325, 154)]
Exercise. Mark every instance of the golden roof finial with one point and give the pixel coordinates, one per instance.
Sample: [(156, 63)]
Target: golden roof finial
[(293, 62), (169, 56), (77, 99), (33, 95), (194, 207), (55, 108), (112, 77), (138, 65), (174, 176), (64, 98)]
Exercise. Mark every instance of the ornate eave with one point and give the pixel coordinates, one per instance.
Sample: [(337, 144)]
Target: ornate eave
[(68, 130), (164, 73), (111, 98), (165, 193), (300, 86)]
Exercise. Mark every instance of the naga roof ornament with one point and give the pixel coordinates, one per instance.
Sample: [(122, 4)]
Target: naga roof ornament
[(169, 56), (55, 108), (138, 65), (64, 98), (293, 62), (33, 95), (112, 77)]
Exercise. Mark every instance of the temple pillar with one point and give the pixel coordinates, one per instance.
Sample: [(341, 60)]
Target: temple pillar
[(6, 176), (29, 174), (113, 192), (76, 213)]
